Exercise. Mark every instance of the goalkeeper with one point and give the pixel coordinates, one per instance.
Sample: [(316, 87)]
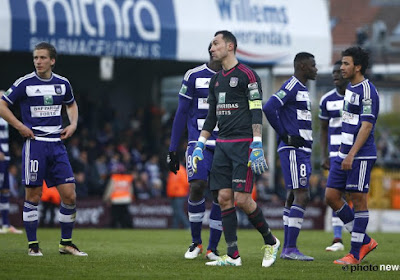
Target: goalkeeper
[(235, 104)]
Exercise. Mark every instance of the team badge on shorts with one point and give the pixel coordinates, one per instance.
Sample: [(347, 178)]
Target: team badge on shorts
[(33, 177), (233, 81), (303, 181)]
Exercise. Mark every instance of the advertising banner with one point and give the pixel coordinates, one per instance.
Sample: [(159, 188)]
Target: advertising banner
[(268, 31)]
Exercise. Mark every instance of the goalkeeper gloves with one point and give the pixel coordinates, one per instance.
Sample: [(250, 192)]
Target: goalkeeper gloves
[(197, 155), (293, 140), (173, 162), (257, 160)]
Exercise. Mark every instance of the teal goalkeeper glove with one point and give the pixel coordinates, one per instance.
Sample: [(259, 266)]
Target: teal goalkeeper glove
[(257, 160), (197, 155)]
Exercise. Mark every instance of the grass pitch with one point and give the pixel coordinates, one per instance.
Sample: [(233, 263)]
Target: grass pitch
[(158, 254)]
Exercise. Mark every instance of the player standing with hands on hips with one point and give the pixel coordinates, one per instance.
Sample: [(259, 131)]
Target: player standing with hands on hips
[(41, 95), (235, 103)]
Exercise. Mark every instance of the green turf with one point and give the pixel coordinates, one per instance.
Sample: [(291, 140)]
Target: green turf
[(158, 254)]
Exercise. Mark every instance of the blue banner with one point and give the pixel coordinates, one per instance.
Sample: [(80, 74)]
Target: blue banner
[(119, 28)]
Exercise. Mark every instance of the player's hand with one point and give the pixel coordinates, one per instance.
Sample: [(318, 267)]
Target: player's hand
[(257, 160), (347, 162), (197, 155), (26, 132), (173, 162), (68, 131), (293, 140), (325, 164)]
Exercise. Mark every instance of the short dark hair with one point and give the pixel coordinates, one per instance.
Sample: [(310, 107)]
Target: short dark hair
[(300, 57), (338, 62), (49, 47), (360, 57), (228, 37)]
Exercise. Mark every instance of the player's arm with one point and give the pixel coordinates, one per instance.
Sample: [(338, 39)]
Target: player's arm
[(270, 109), (257, 160), (180, 121), (208, 127), (323, 115), (8, 115), (73, 114), (324, 143), (362, 136)]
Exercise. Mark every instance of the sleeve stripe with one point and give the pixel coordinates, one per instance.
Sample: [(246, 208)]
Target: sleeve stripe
[(249, 73), (367, 89), (183, 95)]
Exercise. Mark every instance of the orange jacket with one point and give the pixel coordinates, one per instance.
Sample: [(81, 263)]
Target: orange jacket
[(178, 185), (50, 194), (120, 189)]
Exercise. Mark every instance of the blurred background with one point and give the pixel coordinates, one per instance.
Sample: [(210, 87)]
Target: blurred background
[(126, 59)]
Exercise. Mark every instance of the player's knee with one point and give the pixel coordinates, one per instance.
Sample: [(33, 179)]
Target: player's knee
[(197, 188), (302, 198)]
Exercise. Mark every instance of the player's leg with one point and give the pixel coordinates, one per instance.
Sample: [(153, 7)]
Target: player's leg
[(196, 202), (31, 218), (337, 243), (337, 226), (61, 175), (357, 185), (67, 219), (296, 168), (33, 172), (221, 181), (215, 229), (286, 211)]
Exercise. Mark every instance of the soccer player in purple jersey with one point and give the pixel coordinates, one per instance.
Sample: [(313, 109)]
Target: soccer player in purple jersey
[(351, 170), (41, 95), (235, 104), (330, 115), (289, 113), (4, 179), (192, 111)]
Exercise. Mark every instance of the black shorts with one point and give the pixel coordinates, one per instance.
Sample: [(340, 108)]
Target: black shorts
[(229, 168)]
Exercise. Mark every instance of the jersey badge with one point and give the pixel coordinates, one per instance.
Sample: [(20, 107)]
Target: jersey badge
[(221, 97), (8, 92), (48, 100), (183, 89), (281, 94), (233, 81), (367, 104), (57, 89)]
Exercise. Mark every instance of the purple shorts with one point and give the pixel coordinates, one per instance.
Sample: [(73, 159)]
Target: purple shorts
[(203, 166), (45, 161), (296, 168), (4, 179), (354, 180)]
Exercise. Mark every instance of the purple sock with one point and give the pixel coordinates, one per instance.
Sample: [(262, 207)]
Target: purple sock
[(30, 217), (215, 227), (286, 212), (5, 208), (67, 220), (346, 214), (295, 221), (196, 211), (358, 235)]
